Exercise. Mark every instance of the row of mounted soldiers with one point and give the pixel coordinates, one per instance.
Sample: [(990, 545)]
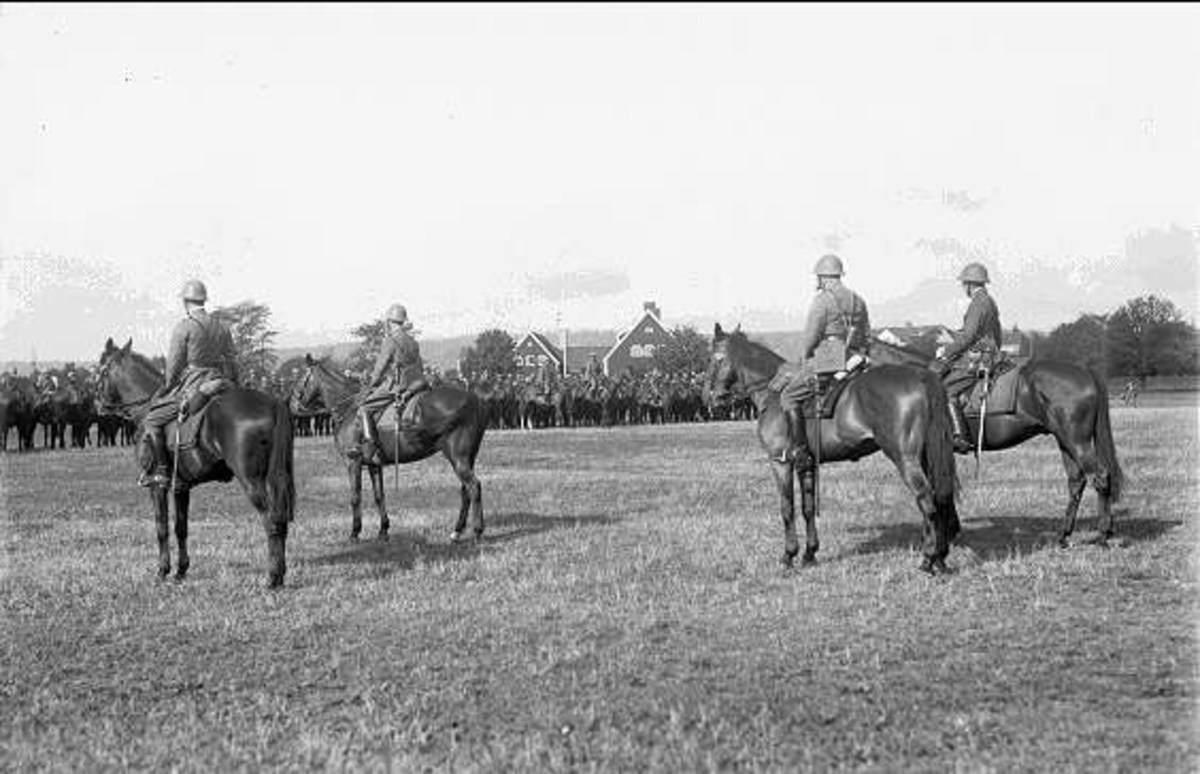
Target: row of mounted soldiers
[(62, 402)]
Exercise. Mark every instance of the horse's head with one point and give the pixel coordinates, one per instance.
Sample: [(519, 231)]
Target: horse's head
[(305, 395), (116, 385), (722, 373)]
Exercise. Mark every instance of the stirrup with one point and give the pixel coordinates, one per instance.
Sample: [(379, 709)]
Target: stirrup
[(158, 477)]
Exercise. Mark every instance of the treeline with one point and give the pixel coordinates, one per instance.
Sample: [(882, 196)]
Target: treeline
[(1146, 336)]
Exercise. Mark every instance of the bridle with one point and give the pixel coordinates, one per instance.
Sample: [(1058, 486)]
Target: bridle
[(123, 408)]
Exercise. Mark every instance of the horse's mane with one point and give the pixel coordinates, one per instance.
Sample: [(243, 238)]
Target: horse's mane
[(145, 363), (343, 405), (755, 352)]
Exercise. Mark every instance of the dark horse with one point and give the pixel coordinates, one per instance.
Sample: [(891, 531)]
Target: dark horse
[(1057, 398), (245, 434), (899, 410), (452, 420)]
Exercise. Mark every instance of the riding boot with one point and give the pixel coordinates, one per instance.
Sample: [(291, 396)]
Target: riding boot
[(797, 448), (371, 450), (156, 438), (962, 438)]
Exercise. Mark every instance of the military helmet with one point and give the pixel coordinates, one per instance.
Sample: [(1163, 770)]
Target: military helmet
[(397, 313), (829, 266), (194, 290), (974, 272)]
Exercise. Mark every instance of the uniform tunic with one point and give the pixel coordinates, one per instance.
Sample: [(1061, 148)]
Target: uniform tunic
[(201, 349), (835, 312), (399, 354), (976, 345)]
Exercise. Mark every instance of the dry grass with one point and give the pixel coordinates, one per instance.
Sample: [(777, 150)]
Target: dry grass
[(626, 612)]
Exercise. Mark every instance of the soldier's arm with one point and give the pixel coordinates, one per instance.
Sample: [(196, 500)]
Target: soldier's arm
[(382, 361), (176, 355), (972, 325), (813, 328)]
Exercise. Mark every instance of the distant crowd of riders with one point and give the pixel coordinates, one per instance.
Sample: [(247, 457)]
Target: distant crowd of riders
[(62, 403)]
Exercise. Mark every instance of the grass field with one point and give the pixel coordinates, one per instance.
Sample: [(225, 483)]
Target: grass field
[(626, 611)]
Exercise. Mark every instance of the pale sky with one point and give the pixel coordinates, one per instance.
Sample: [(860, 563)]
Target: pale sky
[(500, 165)]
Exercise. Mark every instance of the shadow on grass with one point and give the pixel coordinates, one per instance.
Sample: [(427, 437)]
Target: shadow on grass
[(402, 551), (1000, 538)]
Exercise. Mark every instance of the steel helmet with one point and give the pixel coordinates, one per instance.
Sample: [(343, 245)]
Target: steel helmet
[(397, 313), (194, 290), (829, 266), (974, 272)]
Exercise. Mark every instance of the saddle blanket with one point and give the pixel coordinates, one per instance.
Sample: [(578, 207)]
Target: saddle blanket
[(1002, 395), (410, 415)]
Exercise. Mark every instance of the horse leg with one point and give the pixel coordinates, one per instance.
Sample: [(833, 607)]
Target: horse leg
[(935, 543), (808, 506), (1076, 483), (354, 469), (785, 479), (158, 496), (471, 492), (183, 498), (378, 490), (277, 532)]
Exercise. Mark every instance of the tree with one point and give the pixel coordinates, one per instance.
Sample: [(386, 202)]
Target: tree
[(686, 352), (1083, 342), (370, 336), (1148, 336), (493, 351), (250, 324)]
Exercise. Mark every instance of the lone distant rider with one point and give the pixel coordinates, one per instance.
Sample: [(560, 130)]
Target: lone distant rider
[(201, 350), (398, 369), (974, 348), (839, 313)]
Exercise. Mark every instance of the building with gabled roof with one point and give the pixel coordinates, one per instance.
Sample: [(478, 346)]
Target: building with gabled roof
[(535, 349), (634, 348)]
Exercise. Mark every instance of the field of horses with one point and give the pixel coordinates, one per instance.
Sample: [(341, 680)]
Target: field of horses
[(625, 611)]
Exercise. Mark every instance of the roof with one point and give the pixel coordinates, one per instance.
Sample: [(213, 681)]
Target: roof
[(579, 357), (545, 344)]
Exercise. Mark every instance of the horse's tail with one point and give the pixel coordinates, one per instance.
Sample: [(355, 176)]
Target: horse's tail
[(1105, 449), (938, 455), (281, 484)]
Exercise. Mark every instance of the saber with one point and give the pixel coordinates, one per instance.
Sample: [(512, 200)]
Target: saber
[(982, 419), (817, 457), (396, 447), (175, 453)]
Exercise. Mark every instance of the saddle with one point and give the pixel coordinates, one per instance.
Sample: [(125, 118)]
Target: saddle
[(410, 412), (197, 405), (1000, 388), (831, 386)]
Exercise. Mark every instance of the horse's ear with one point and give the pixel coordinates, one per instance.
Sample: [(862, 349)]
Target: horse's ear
[(738, 329), (109, 346), (125, 350), (308, 359), (718, 332)]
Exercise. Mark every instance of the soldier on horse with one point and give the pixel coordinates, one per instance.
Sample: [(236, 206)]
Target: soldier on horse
[(838, 314), (397, 376), (975, 349), (201, 350)]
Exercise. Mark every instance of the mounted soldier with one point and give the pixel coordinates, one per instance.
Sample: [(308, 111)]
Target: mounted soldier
[(838, 314), (397, 376), (201, 350), (974, 350), (593, 371)]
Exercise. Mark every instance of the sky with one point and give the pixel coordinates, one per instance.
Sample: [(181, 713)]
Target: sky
[(531, 166)]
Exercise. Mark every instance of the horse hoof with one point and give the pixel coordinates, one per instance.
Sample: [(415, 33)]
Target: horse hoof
[(275, 582), (382, 537), (927, 566), (808, 560), (455, 536), (787, 561)]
